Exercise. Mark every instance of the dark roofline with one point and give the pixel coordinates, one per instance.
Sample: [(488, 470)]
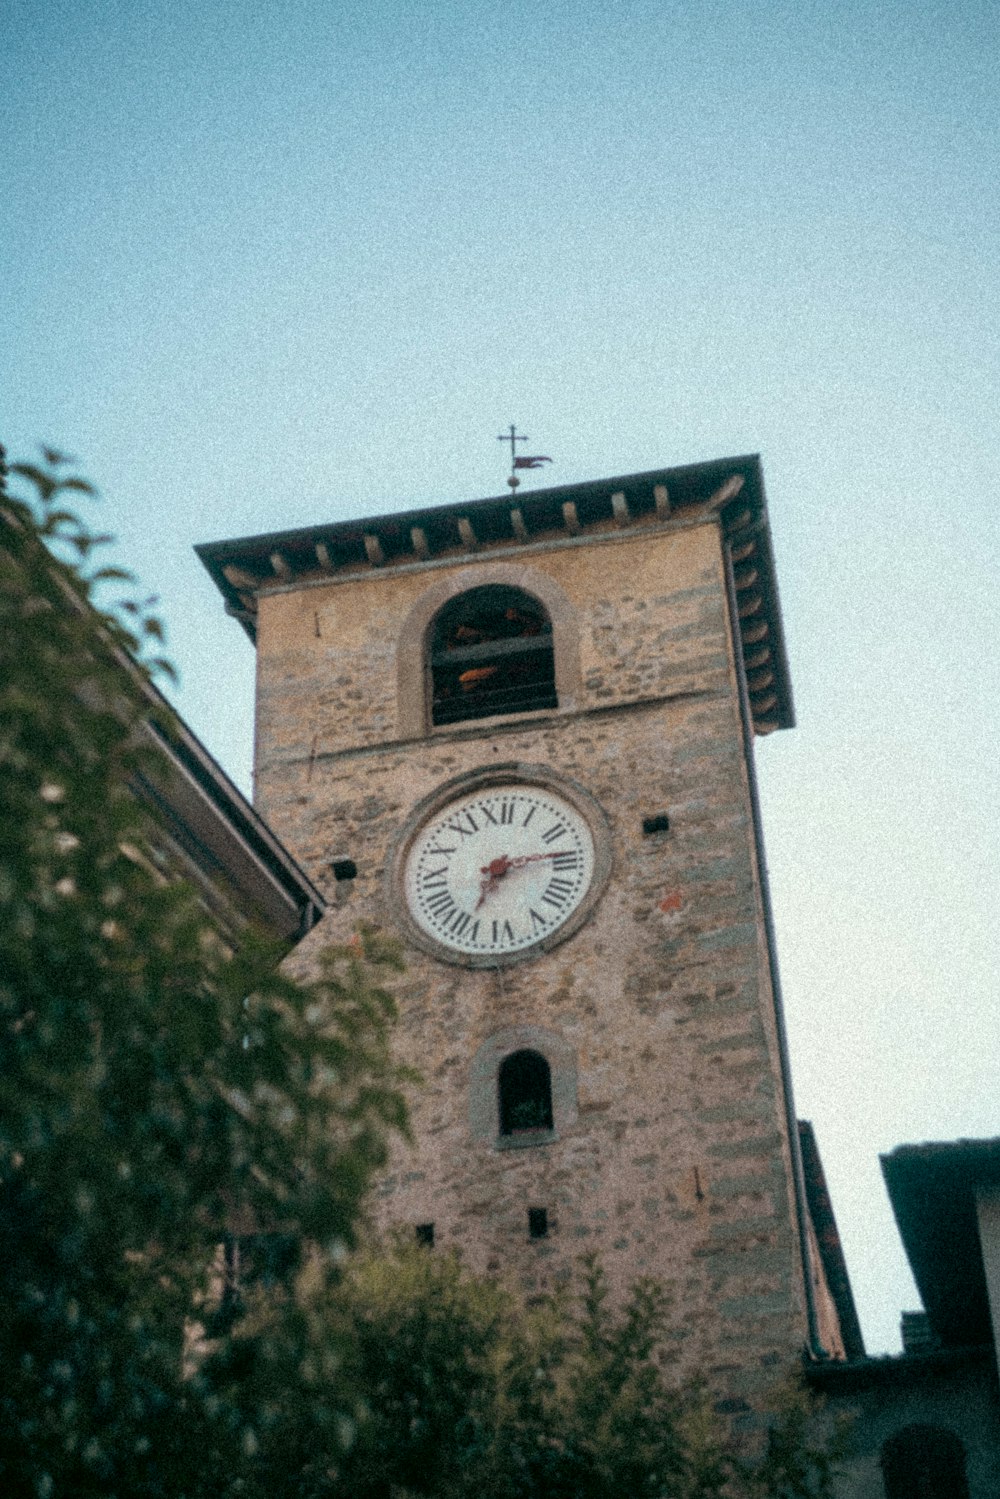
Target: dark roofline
[(194, 800), (203, 799), (831, 1250), (932, 1188), (731, 488), (688, 481), (902, 1369)]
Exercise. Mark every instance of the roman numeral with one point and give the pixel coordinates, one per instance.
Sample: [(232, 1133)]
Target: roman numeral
[(505, 813), (435, 877), (457, 927), (567, 860), (456, 827), (536, 920), (529, 817), (555, 832), (502, 933), (441, 904), (558, 893), (442, 853)]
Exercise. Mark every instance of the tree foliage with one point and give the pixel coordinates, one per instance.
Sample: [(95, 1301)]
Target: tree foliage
[(154, 1087), (469, 1392)]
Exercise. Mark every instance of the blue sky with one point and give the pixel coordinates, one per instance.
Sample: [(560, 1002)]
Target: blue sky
[(272, 265)]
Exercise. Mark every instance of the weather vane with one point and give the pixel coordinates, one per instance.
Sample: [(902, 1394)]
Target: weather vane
[(519, 460)]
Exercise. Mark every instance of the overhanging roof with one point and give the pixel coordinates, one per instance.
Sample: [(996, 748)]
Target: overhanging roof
[(933, 1190), (201, 818), (224, 838), (831, 1250), (508, 525)]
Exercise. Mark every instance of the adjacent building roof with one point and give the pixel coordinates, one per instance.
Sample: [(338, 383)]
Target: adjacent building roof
[(205, 830), (831, 1250), (512, 524), (933, 1190), (211, 833)]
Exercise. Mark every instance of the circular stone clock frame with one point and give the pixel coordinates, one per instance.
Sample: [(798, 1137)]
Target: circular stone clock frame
[(589, 835)]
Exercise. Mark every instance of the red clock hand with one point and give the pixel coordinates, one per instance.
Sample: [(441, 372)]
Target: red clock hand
[(494, 872)]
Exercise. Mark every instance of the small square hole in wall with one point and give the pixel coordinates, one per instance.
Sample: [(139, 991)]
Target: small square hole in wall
[(425, 1235), (538, 1223), (659, 823), (344, 869)]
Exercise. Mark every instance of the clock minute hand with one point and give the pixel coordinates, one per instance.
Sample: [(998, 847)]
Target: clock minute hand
[(527, 859)]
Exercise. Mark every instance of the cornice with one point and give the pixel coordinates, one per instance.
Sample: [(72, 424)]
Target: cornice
[(726, 491)]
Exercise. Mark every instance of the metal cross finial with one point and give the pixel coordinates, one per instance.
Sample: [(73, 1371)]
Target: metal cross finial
[(512, 437)]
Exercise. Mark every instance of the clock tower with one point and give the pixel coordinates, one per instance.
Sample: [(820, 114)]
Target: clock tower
[(518, 734)]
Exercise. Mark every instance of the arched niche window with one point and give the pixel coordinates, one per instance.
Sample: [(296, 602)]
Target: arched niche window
[(924, 1462), (490, 653), (493, 1079), (524, 1085)]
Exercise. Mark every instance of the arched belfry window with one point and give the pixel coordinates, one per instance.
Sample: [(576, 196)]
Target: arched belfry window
[(525, 1092), (490, 653), (924, 1462)]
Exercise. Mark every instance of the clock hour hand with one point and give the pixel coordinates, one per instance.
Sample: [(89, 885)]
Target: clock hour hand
[(493, 873)]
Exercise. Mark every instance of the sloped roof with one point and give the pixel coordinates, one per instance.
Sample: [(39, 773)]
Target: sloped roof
[(933, 1190), (205, 829), (226, 845), (828, 1238)]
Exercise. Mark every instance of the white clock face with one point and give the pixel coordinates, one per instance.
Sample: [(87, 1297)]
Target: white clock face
[(499, 870)]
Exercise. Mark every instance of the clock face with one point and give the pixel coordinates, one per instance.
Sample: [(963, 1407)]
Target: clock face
[(498, 871)]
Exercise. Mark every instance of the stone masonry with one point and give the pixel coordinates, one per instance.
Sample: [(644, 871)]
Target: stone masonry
[(670, 1156)]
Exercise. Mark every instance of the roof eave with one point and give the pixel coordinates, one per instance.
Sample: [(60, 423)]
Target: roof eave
[(729, 489), (933, 1189)]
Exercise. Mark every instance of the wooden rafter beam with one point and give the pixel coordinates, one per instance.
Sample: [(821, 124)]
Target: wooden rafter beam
[(570, 518), (619, 508)]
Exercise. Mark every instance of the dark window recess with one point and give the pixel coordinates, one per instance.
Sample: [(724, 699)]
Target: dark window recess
[(525, 1087), (344, 869), (250, 1261), (490, 653), (924, 1462), (425, 1234), (538, 1223), (657, 824)]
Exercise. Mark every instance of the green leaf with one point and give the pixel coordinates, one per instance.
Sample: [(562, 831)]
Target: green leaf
[(117, 574), (56, 518), (42, 481)]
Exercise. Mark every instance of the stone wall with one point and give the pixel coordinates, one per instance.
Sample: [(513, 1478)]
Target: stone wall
[(672, 1158)]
